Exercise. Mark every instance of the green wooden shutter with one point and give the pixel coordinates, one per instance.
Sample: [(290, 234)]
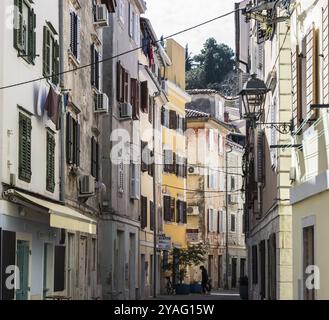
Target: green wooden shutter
[(32, 36), (55, 62), (50, 162), (18, 25), (25, 129), (46, 51)]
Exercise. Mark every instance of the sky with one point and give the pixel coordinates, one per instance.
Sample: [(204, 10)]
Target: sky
[(170, 16)]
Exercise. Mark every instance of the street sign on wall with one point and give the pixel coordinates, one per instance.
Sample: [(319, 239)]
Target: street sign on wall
[(164, 242)]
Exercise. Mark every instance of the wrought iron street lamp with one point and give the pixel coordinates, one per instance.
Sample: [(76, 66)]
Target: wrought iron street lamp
[(253, 97)]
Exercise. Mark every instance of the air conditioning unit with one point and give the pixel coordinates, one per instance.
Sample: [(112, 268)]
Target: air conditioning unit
[(102, 103), (193, 210), (101, 16), (126, 111), (193, 170), (164, 86), (86, 185)]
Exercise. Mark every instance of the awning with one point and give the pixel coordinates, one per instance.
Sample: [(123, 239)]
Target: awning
[(60, 216)]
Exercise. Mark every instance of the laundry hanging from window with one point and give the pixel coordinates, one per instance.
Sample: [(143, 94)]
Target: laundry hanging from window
[(52, 106)]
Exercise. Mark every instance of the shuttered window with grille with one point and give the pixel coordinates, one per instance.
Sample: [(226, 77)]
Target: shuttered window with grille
[(95, 67), (50, 54), (51, 144), (75, 27), (25, 129), (24, 30), (72, 141)]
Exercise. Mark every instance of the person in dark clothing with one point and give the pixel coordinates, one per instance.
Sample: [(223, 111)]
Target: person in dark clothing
[(204, 281)]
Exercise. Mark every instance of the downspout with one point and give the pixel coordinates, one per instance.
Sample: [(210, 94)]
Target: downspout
[(62, 121)]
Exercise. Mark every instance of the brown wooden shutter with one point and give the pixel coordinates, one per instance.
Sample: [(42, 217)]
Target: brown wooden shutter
[(208, 222), (325, 46), (144, 96), (312, 74), (172, 120), (296, 62)]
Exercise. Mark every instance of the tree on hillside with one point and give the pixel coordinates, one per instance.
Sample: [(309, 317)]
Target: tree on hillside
[(214, 64), (188, 59)]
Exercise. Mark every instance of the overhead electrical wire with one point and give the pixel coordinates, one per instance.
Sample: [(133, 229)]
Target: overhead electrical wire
[(196, 190), (120, 54)]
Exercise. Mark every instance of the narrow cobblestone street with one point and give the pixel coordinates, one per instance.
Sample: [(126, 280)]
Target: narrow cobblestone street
[(216, 295)]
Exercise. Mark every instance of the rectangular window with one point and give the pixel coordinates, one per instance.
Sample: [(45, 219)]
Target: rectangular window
[(50, 54), (143, 212), (168, 156), (135, 97), (25, 128), (95, 67), (51, 144), (308, 258), (254, 265), (166, 205), (233, 218), (72, 141), (145, 97), (75, 27), (212, 179), (135, 181), (24, 30), (152, 215), (94, 158)]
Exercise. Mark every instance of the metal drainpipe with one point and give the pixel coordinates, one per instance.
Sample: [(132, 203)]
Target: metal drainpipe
[(226, 236), (62, 131)]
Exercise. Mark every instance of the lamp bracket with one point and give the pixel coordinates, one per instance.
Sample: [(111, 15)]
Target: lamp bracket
[(281, 127)]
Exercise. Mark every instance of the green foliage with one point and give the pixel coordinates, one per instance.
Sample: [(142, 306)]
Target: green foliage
[(192, 256), (214, 64), (188, 59)]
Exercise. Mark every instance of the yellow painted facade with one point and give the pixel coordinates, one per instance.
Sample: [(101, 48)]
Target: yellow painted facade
[(172, 185)]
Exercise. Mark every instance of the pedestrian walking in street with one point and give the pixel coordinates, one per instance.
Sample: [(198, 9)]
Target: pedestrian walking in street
[(204, 281)]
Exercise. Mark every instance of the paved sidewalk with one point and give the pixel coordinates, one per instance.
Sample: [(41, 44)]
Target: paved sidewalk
[(215, 295)]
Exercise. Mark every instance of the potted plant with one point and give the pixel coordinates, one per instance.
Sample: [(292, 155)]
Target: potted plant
[(193, 255), (195, 287), (244, 288)]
